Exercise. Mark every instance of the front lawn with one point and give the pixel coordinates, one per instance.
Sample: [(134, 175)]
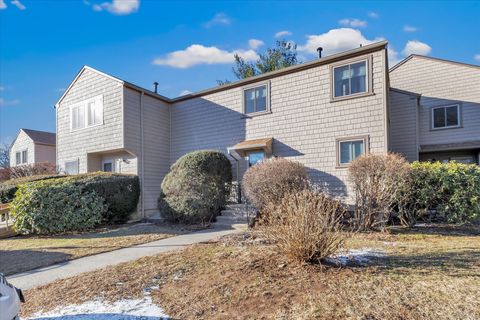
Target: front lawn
[(419, 273), (22, 253)]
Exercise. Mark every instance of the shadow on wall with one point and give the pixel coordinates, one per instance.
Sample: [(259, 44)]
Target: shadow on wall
[(328, 183)]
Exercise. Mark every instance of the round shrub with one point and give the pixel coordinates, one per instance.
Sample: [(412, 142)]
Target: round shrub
[(196, 188), (55, 206), (266, 183)]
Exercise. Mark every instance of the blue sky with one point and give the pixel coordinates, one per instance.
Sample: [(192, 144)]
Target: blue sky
[(187, 46)]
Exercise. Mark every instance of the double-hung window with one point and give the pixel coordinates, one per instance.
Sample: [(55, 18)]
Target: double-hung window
[(351, 79), (446, 117), (21, 157), (255, 99), (87, 113), (349, 149)]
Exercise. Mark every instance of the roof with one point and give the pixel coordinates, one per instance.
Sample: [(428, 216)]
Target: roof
[(272, 74), (450, 146), (254, 144), (434, 59), (410, 93), (41, 137)]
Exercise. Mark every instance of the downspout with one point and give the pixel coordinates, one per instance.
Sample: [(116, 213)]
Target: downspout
[(142, 172), (417, 127)]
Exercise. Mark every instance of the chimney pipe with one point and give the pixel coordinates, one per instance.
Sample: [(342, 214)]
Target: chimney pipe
[(155, 85), (319, 49)]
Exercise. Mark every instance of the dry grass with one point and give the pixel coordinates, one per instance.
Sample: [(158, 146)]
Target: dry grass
[(429, 273), (24, 253)]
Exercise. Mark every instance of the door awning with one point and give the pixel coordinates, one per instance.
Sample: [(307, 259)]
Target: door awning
[(264, 144)]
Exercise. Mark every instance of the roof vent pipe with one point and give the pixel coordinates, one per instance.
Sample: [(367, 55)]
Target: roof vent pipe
[(155, 85), (319, 49)]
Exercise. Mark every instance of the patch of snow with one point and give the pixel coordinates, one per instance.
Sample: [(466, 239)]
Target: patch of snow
[(127, 309), (357, 256)]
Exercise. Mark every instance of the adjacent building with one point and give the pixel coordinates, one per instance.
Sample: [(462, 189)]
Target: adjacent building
[(32, 146), (323, 113)]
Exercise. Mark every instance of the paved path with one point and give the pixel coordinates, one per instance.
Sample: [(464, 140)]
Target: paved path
[(37, 277)]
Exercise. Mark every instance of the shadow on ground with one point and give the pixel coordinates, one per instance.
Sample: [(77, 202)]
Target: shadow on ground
[(13, 261)]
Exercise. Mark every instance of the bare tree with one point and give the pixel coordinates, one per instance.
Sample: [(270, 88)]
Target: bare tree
[(4, 156)]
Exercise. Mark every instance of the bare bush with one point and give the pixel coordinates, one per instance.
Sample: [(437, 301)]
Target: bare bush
[(305, 226), (379, 182), (268, 182), (5, 174), (33, 170)]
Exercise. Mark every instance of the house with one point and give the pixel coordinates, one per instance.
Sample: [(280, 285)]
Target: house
[(435, 109), (323, 113), (32, 146)]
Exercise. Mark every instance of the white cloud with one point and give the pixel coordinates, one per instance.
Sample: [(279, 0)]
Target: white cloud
[(408, 28), (3, 5), (283, 33), (393, 56), (477, 57), (4, 102), (335, 40), (118, 7), (185, 92), (198, 54), (218, 19), (373, 15), (416, 47), (355, 23), (255, 43), (18, 4)]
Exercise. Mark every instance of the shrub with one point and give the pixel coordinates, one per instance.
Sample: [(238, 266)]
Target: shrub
[(196, 188), (56, 205), (120, 192), (268, 182), (378, 182), (9, 187), (453, 189), (5, 174), (305, 226), (43, 168)]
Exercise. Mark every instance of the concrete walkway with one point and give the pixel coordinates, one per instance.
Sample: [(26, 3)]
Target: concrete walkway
[(41, 276)]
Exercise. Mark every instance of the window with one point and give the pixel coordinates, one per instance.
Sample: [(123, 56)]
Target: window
[(108, 166), (86, 114), (349, 149), (71, 167), (446, 117), (255, 99), (254, 157), (21, 157), (350, 79)]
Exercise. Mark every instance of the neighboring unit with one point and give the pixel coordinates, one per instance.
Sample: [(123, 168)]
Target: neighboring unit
[(322, 113), (32, 146)]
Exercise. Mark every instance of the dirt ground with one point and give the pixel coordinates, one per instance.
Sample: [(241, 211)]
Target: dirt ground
[(22, 253), (423, 273)]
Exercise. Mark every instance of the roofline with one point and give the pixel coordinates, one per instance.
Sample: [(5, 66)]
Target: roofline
[(299, 67), (435, 59), (410, 93), (269, 75)]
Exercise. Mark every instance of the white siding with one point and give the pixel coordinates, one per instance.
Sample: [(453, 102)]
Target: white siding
[(156, 135), (22, 142), (304, 122), (403, 125), (109, 136), (442, 83)]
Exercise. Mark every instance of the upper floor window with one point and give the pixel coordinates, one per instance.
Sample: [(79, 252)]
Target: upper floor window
[(21, 157), (255, 99), (87, 113), (349, 149), (446, 117), (350, 79)]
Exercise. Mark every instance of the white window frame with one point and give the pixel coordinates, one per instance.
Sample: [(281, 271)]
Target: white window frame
[(253, 86), (108, 161), (20, 154), (368, 78), (71, 161), (18, 158), (84, 104), (339, 141), (459, 121)]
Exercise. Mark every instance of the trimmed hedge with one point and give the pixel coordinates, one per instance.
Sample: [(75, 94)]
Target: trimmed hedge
[(453, 189), (54, 206), (9, 187), (84, 200), (196, 188)]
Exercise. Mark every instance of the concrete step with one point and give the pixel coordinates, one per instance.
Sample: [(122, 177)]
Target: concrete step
[(231, 219)]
